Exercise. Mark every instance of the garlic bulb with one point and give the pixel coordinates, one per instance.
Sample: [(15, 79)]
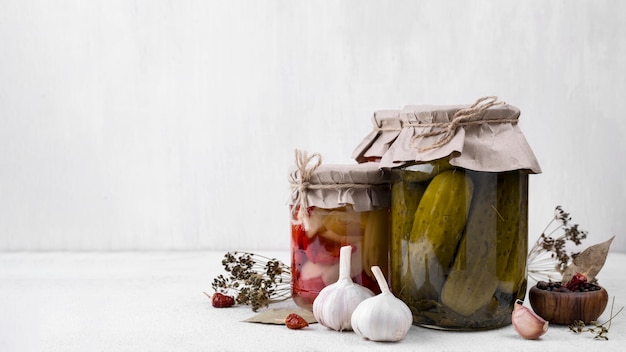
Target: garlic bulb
[(383, 317), (527, 323), (335, 303)]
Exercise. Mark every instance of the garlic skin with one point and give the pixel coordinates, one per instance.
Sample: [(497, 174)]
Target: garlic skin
[(527, 323), (383, 317), (335, 303)]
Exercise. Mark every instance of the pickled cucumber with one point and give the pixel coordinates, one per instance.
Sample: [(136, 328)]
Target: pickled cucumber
[(405, 198), (512, 230), (472, 279), (438, 226)]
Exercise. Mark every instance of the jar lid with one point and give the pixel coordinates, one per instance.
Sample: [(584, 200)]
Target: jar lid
[(365, 186), (482, 137)]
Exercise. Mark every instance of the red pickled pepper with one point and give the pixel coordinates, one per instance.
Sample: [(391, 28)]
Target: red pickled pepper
[(295, 322), (576, 282), (322, 250), (220, 300)]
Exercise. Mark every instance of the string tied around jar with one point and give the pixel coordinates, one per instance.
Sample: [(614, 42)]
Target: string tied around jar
[(463, 117), (302, 184)]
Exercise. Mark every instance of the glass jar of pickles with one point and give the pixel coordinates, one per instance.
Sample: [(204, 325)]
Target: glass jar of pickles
[(333, 206), (459, 213)]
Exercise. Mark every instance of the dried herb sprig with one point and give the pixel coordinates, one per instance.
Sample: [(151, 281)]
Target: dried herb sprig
[(548, 258), (599, 331), (254, 279)]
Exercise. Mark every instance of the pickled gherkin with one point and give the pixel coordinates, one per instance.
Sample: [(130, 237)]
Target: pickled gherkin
[(438, 226), (513, 225), (472, 279), (406, 197)]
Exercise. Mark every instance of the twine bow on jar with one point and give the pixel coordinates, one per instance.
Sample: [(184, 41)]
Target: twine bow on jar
[(463, 117), (302, 184)]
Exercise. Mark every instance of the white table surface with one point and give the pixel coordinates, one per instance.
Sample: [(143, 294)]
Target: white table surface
[(154, 301)]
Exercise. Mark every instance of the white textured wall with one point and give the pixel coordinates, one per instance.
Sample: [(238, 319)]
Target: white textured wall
[(156, 124)]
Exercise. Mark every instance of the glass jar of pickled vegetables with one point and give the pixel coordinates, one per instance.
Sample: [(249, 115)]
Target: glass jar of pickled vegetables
[(334, 206), (459, 214), (459, 244)]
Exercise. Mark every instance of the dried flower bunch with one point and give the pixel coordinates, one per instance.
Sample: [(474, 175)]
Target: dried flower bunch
[(254, 279), (548, 258)]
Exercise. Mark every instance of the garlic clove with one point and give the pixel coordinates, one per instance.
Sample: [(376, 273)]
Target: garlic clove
[(527, 323), (334, 305), (383, 317)]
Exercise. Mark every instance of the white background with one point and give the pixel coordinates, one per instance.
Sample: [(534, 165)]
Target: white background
[(170, 125)]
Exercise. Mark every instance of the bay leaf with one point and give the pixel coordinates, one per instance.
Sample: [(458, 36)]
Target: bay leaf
[(590, 261), (569, 272), (277, 316)]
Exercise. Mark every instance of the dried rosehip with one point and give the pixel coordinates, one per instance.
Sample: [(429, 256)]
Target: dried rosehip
[(294, 321), (220, 300)]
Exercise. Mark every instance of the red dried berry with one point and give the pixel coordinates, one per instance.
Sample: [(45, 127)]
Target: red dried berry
[(294, 321), (220, 300)]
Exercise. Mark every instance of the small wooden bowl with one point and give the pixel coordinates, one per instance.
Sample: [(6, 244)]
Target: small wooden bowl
[(564, 308)]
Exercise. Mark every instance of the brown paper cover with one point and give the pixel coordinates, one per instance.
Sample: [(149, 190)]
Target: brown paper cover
[(387, 126), (491, 140), (365, 186)]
